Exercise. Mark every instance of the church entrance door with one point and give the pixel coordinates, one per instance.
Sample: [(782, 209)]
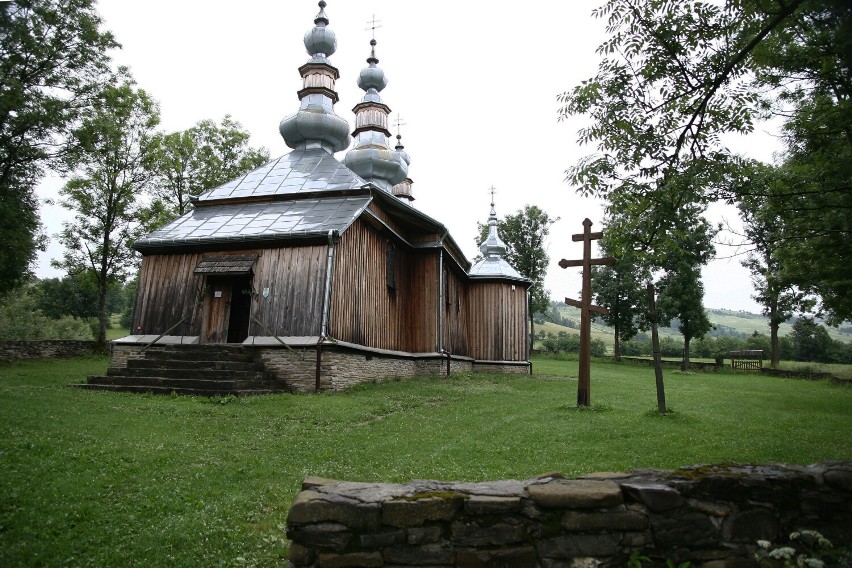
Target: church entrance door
[(227, 309)]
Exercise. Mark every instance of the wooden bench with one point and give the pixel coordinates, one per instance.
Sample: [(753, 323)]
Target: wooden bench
[(748, 359)]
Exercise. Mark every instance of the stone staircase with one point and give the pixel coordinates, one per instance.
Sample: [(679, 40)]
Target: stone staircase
[(206, 370)]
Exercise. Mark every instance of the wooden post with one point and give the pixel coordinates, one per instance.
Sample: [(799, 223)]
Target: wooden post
[(585, 304), (655, 342)]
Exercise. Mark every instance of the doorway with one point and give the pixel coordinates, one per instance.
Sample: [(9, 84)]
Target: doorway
[(228, 309)]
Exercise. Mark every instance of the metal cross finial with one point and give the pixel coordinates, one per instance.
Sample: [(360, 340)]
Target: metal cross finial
[(492, 190), (398, 122), (374, 23)]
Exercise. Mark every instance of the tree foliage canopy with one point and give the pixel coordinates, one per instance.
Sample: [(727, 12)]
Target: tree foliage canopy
[(114, 147), (677, 78), (189, 162), (621, 290), (52, 62)]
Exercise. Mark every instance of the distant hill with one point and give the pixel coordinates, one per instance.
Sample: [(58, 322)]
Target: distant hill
[(729, 321)]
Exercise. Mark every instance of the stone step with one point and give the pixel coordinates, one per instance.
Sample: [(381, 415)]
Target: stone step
[(200, 352), (161, 381), (207, 374), (179, 390), (219, 365)]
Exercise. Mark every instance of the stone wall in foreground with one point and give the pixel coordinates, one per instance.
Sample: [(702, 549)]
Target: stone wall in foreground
[(712, 516)]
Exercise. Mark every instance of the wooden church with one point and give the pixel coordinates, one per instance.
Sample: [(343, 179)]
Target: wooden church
[(318, 271)]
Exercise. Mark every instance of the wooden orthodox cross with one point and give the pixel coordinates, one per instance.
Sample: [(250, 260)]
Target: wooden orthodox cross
[(585, 305)]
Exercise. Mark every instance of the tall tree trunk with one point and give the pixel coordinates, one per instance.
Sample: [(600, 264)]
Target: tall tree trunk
[(773, 344), (773, 333), (684, 366), (616, 350), (532, 334), (102, 315)]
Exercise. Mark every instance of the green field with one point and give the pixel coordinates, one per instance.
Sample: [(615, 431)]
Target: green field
[(742, 322), (108, 479)]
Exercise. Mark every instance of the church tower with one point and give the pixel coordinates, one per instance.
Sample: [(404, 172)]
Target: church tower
[(315, 125), (372, 158)]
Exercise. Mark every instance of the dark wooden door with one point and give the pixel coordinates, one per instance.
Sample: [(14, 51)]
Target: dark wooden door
[(227, 309)]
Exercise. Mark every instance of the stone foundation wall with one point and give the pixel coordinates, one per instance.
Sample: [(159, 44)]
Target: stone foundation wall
[(345, 366), (122, 353), (712, 516), (45, 349), (342, 365)]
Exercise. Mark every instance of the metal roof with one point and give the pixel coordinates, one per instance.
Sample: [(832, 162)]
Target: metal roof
[(253, 222), (495, 267), (300, 171)]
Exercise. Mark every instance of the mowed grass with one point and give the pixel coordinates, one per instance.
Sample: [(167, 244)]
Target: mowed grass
[(107, 479)]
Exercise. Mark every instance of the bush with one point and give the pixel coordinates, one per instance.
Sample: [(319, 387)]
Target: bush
[(21, 319)]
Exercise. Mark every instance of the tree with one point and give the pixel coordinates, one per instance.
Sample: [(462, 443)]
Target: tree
[(620, 289), (681, 292), (189, 162), (677, 77), (114, 148), (52, 61), (75, 295), (811, 341), (525, 234), (766, 231)]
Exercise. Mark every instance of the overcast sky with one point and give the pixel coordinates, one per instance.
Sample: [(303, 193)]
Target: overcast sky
[(475, 85)]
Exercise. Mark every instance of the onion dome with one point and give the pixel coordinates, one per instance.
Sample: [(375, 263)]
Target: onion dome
[(493, 265), (493, 245), (315, 125), (403, 188), (372, 158)]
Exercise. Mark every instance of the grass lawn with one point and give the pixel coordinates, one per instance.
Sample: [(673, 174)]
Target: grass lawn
[(109, 479)]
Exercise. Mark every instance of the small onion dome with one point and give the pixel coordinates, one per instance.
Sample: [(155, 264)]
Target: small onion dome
[(320, 42), (400, 149), (493, 246), (372, 77)]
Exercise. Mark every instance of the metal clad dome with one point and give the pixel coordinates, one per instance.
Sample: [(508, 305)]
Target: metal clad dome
[(372, 157), (316, 125)]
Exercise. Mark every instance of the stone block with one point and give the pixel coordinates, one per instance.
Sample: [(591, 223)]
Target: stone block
[(637, 539), (523, 557), (567, 547), (709, 507), (353, 560), (383, 539), (322, 536), (424, 535), (753, 525), (414, 512), (673, 529), (839, 479), (488, 505), (418, 555), (574, 521), (301, 556), (501, 533), (312, 507), (655, 496), (575, 494)]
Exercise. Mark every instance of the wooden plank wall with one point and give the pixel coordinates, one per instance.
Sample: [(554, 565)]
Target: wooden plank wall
[(423, 311), (168, 290), (365, 311), (456, 309), (498, 329), (295, 277)]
